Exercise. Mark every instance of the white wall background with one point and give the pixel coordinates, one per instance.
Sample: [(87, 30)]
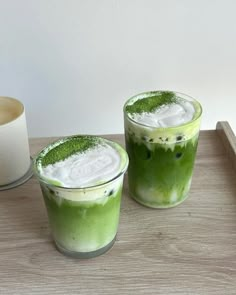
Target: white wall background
[(73, 63)]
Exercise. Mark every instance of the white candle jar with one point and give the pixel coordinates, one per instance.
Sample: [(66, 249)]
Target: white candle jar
[(14, 145)]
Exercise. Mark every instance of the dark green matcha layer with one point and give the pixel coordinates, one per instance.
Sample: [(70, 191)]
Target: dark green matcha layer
[(152, 102), (83, 226), (156, 174), (73, 145)]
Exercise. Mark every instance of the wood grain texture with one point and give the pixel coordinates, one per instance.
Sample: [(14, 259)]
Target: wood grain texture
[(189, 249)]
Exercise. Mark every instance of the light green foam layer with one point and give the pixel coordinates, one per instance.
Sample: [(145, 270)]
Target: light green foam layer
[(168, 135)]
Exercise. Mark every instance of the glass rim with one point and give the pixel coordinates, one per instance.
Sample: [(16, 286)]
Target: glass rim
[(21, 110), (89, 187), (158, 91)]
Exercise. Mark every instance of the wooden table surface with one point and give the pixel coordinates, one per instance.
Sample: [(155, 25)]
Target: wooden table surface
[(189, 249)]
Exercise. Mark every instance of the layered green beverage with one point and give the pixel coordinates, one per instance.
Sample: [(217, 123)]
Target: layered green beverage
[(81, 178), (161, 134)]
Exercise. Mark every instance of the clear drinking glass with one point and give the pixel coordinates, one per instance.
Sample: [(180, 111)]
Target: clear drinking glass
[(84, 221), (161, 160)]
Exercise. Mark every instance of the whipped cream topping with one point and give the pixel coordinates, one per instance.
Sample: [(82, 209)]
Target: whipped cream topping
[(91, 167), (169, 115)]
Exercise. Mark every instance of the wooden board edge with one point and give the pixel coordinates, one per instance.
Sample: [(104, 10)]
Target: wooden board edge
[(228, 139)]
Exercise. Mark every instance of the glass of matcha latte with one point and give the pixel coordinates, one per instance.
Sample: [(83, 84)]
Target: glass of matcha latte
[(81, 178), (161, 134)]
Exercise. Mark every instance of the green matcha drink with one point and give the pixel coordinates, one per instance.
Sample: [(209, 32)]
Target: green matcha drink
[(161, 133), (81, 178)]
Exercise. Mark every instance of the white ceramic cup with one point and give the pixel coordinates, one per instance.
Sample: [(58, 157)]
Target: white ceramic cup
[(14, 143)]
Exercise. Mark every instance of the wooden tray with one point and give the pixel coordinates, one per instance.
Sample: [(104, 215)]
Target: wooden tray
[(190, 249)]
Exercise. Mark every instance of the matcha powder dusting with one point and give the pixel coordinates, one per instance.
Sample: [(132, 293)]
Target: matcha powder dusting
[(151, 103), (67, 148)]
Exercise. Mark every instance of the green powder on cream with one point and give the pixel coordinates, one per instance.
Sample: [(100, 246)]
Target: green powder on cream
[(151, 103), (69, 147)]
